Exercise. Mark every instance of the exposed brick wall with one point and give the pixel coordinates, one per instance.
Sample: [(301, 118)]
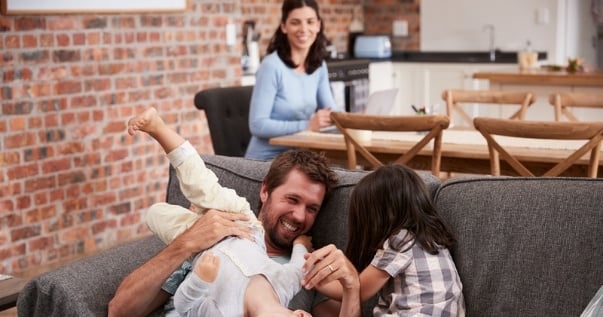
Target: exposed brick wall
[(71, 180), (379, 16)]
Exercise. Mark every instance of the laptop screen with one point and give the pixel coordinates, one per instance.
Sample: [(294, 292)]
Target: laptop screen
[(381, 103)]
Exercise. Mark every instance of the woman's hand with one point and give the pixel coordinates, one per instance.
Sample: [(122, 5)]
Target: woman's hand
[(321, 118)]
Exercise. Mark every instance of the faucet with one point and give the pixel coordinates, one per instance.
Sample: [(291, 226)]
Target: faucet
[(490, 29)]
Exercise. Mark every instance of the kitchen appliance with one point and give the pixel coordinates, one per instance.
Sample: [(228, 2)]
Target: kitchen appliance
[(372, 46), (350, 79)]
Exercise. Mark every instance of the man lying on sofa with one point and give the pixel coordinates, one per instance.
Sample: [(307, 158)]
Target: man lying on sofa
[(288, 209)]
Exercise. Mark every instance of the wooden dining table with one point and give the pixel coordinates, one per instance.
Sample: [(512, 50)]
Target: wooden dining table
[(463, 151)]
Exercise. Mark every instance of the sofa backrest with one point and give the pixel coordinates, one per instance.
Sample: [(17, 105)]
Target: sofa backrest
[(245, 177), (526, 246)]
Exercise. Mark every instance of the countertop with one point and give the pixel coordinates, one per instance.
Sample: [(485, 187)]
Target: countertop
[(500, 57), (542, 77)]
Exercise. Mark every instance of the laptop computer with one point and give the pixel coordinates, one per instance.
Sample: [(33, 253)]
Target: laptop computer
[(380, 103)]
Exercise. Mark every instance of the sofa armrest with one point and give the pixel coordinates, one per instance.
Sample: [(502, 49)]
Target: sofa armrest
[(84, 288)]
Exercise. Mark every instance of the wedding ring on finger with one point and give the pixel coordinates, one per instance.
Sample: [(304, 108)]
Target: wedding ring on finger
[(331, 268)]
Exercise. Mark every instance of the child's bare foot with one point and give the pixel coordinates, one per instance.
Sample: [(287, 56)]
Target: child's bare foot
[(146, 121), (207, 267)]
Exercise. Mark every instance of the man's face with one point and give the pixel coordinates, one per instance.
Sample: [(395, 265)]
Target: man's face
[(289, 211)]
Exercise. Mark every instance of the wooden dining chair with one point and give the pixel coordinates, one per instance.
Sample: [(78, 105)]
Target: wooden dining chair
[(455, 98), (563, 101), (590, 132), (433, 125)]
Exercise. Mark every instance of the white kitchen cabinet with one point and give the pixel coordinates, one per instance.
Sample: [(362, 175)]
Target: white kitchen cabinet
[(381, 76)]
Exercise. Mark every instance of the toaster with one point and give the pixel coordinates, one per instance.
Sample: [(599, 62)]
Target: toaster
[(372, 46)]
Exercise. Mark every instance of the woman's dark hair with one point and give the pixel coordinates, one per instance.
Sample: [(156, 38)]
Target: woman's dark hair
[(280, 44), (392, 198)]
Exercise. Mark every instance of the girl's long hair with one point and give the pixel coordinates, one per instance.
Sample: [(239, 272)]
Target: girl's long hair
[(392, 198), (280, 43)]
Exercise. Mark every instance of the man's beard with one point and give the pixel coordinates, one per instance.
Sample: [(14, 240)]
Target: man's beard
[(270, 225), (278, 242)]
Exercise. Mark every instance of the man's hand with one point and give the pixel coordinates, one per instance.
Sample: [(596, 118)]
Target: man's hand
[(211, 228), (330, 271), (329, 264)]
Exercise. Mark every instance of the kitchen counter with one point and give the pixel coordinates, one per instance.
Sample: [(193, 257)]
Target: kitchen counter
[(500, 57), (539, 77), (471, 57), (544, 83)]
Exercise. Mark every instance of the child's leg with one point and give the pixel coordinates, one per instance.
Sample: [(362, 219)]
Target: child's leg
[(151, 123), (198, 184), (169, 221)]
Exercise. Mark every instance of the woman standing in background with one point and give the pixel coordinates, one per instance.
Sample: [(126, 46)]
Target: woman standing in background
[(292, 91)]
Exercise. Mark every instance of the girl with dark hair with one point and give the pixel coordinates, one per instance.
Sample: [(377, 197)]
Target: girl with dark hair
[(292, 91), (399, 242)]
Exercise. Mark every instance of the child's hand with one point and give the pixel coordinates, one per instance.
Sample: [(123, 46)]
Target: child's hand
[(207, 267), (305, 240)]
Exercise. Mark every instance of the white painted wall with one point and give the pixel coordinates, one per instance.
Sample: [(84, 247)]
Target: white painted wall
[(581, 35), (563, 28)]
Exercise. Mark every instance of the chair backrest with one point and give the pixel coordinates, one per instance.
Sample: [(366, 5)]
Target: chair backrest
[(590, 132), (432, 124), (563, 101), (454, 99), (227, 112)]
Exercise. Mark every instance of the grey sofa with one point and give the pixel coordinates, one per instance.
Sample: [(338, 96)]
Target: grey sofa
[(526, 246)]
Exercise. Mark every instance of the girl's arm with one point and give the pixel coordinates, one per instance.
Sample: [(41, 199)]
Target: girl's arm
[(372, 280)]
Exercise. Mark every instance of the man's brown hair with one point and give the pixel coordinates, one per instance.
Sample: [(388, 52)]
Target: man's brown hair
[(312, 164)]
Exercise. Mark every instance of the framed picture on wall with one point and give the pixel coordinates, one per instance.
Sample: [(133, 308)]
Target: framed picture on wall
[(27, 7)]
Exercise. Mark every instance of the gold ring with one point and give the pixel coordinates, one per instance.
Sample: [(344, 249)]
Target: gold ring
[(331, 268)]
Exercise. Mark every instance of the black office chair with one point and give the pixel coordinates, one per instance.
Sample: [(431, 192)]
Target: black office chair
[(227, 112)]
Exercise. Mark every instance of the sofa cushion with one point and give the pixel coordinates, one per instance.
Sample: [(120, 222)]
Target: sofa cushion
[(526, 246), (84, 288)]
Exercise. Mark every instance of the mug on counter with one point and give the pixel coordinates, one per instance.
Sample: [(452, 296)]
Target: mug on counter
[(527, 60)]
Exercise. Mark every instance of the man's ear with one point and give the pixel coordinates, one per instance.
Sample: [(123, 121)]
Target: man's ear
[(263, 193)]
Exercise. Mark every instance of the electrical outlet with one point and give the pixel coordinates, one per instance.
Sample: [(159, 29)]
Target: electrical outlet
[(400, 28)]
